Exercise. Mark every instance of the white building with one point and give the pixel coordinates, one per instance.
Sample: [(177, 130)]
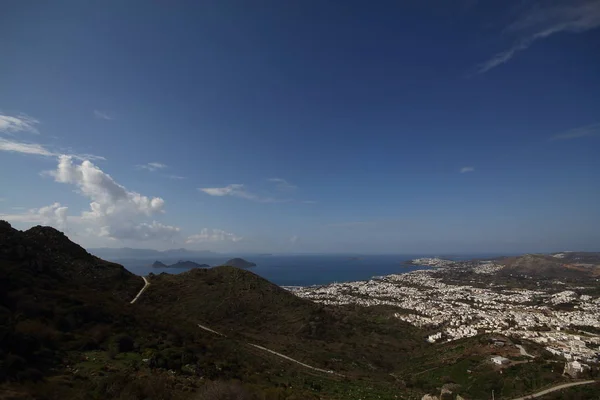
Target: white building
[(575, 368), (500, 360)]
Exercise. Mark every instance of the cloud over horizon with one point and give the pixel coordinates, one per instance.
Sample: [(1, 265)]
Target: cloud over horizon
[(212, 235), (53, 215), (114, 211)]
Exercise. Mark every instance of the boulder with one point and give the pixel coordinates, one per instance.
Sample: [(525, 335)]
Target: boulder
[(446, 394)]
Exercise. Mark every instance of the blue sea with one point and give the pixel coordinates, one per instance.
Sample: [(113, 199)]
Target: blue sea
[(305, 270)]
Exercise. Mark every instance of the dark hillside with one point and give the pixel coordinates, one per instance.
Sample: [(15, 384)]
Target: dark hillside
[(46, 252), (540, 266), (51, 292), (60, 306), (232, 298), (241, 304), (68, 330), (581, 257)]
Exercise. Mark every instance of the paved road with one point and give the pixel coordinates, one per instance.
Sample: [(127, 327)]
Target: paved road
[(554, 389), (146, 284), (206, 328)]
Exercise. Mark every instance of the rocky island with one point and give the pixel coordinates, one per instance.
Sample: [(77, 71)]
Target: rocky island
[(239, 263)]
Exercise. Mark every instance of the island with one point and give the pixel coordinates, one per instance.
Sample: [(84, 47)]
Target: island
[(179, 264), (239, 263)]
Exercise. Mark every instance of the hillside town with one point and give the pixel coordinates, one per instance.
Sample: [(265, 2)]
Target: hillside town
[(553, 319)]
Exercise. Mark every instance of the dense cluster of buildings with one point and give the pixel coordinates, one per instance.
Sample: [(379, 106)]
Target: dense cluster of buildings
[(455, 311), (432, 262)]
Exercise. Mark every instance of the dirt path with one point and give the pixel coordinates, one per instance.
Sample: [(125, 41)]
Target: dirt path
[(554, 389), (293, 360), (206, 328), (523, 351), (275, 353), (146, 284)]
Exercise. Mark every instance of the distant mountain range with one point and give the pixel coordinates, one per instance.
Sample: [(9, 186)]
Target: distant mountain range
[(123, 253)]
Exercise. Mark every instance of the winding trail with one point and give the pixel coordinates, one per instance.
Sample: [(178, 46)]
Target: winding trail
[(275, 353), (146, 284), (554, 389)]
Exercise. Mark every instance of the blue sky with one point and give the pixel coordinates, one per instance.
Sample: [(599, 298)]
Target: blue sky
[(393, 127)]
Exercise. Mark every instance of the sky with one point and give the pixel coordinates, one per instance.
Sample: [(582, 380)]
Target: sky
[(304, 127)]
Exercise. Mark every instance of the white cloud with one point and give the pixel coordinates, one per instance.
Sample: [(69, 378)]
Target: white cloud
[(545, 20), (40, 150), (153, 166), (294, 239), (21, 123), (235, 189), (83, 157), (53, 215), (114, 211), (212, 235), (350, 224), (175, 177), (238, 190), (282, 184), (25, 148), (585, 131), (466, 169), (102, 115), (141, 231)]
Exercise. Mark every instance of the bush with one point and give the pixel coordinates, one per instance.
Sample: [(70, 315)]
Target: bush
[(223, 391), (30, 374), (123, 343)]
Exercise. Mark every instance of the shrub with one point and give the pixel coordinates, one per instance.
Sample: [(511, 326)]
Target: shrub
[(123, 343), (223, 391), (30, 374), (37, 330)]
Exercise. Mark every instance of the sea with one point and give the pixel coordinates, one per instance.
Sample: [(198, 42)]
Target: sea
[(308, 270)]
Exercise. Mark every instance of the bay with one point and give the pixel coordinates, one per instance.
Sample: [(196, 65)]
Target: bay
[(306, 270)]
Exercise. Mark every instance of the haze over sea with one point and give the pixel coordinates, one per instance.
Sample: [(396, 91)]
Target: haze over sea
[(306, 270)]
